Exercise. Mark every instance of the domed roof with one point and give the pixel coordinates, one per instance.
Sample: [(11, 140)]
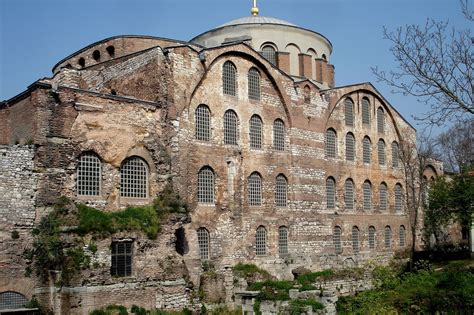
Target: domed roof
[(257, 20)]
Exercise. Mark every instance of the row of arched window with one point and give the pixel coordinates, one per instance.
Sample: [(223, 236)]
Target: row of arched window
[(331, 148), (229, 81), (372, 238), (366, 114), (349, 195), (231, 129)]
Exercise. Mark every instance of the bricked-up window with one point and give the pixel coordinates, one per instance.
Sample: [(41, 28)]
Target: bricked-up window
[(229, 78), (261, 241), (254, 84), (381, 152), (337, 234), (269, 53), (365, 111), (134, 178), (283, 241), (371, 237), (349, 112), (395, 156), (206, 185), (366, 150), (398, 198), (383, 197), (402, 236), (10, 300), (355, 239), (255, 132), (331, 143), (231, 126), (121, 259), (367, 188), (281, 191), (255, 189), (350, 147), (203, 123), (380, 120), (203, 243), (88, 175), (279, 135), (349, 194), (307, 94), (388, 237), (330, 193)]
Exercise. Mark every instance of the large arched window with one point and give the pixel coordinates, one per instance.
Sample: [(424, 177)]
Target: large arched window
[(269, 53), (279, 135), (395, 154), (330, 193), (203, 123), (89, 173), (402, 236), (355, 239), (388, 237), (337, 235), (349, 194), (365, 111), (254, 84), (10, 300), (281, 191), (283, 241), (203, 243), (261, 241), (349, 112), (255, 189), (255, 132), (366, 150), (398, 198), (231, 127), (371, 237), (383, 197), (229, 78), (350, 147), (381, 152), (380, 120), (367, 188), (134, 178), (206, 185), (331, 143)]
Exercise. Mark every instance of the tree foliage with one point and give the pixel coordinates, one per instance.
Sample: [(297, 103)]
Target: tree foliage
[(456, 146)]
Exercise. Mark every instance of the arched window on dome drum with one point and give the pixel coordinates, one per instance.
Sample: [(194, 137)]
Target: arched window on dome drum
[(134, 178), (254, 84), (381, 152), (10, 300), (269, 53), (229, 78), (349, 194), (231, 124), (380, 120), (365, 111), (255, 132), (255, 189), (366, 150), (89, 172), (206, 185), (330, 193), (371, 237), (331, 143), (350, 147), (261, 241), (283, 241), (395, 156), (383, 197), (203, 243), (203, 123), (337, 234), (388, 237), (349, 112), (281, 191), (355, 239), (279, 135), (367, 188), (398, 198)]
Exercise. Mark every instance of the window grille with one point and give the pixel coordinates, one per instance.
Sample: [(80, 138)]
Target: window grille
[(330, 193), (398, 198), (365, 111), (395, 157), (371, 237), (383, 197), (229, 78), (349, 112), (261, 241), (203, 123), (388, 237), (350, 147), (279, 135), (88, 175), (231, 123), (283, 241), (203, 243), (402, 236), (269, 53), (381, 152), (134, 178), (255, 132), (307, 94), (331, 143), (121, 259), (367, 187), (10, 300), (206, 185), (349, 194), (337, 239), (255, 189), (254, 84), (281, 191), (355, 240), (366, 152), (380, 120)]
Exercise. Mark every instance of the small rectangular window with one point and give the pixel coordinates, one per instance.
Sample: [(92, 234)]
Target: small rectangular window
[(121, 259)]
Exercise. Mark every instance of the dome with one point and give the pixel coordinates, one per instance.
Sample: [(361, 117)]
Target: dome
[(257, 20)]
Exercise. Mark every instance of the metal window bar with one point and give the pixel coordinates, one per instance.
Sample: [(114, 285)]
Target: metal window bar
[(330, 143), (254, 84), (121, 259), (383, 197), (388, 237), (203, 243), (10, 300), (371, 237), (349, 194), (350, 147), (398, 198), (134, 178), (206, 186), (337, 240), (395, 157), (279, 135), (255, 132), (203, 123), (367, 187), (349, 112), (88, 175), (269, 53), (230, 127), (365, 111), (381, 152), (281, 191), (261, 241), (380, 120), (355, 240), (229, 78), (255, 190), (402, 236), (283, 241), (330, 193), (366, 150)]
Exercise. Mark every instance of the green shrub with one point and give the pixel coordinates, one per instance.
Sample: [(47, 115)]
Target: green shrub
[(299, 306), (251, 273)]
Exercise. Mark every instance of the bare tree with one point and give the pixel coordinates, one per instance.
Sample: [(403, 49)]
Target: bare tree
[(435, 64)]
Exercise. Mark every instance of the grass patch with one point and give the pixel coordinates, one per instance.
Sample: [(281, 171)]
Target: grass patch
[(251, 273), (299, 306)]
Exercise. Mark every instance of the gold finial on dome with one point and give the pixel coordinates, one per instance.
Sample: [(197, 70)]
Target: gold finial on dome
[(254, 10)]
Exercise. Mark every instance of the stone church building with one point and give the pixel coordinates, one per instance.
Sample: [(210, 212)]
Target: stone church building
[(278, 165)]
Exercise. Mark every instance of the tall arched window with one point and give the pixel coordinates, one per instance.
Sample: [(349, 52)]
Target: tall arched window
[(203, 243), (255, 132), (307, 94), (283, 241), (371, 237), (337, 234), (331, 143), (89, 173), (381, 152), (231, 126), (279, 135), (349, 112), (365, 111), (366, 150), (229, 78), (350, 147), (134, 178), (388, 237), (349, 194), (398, 198), (206, 185), (330, 193), (383, 197), (355, 239), (254, 84), (402, 236), (203, 123), (380, 120), (269, 53), (255, 189), (10, 300), (395, 155), (281, 191), (261, 241), (367, 188)]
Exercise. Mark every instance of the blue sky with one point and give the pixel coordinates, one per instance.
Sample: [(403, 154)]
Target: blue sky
[(36, 34)]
